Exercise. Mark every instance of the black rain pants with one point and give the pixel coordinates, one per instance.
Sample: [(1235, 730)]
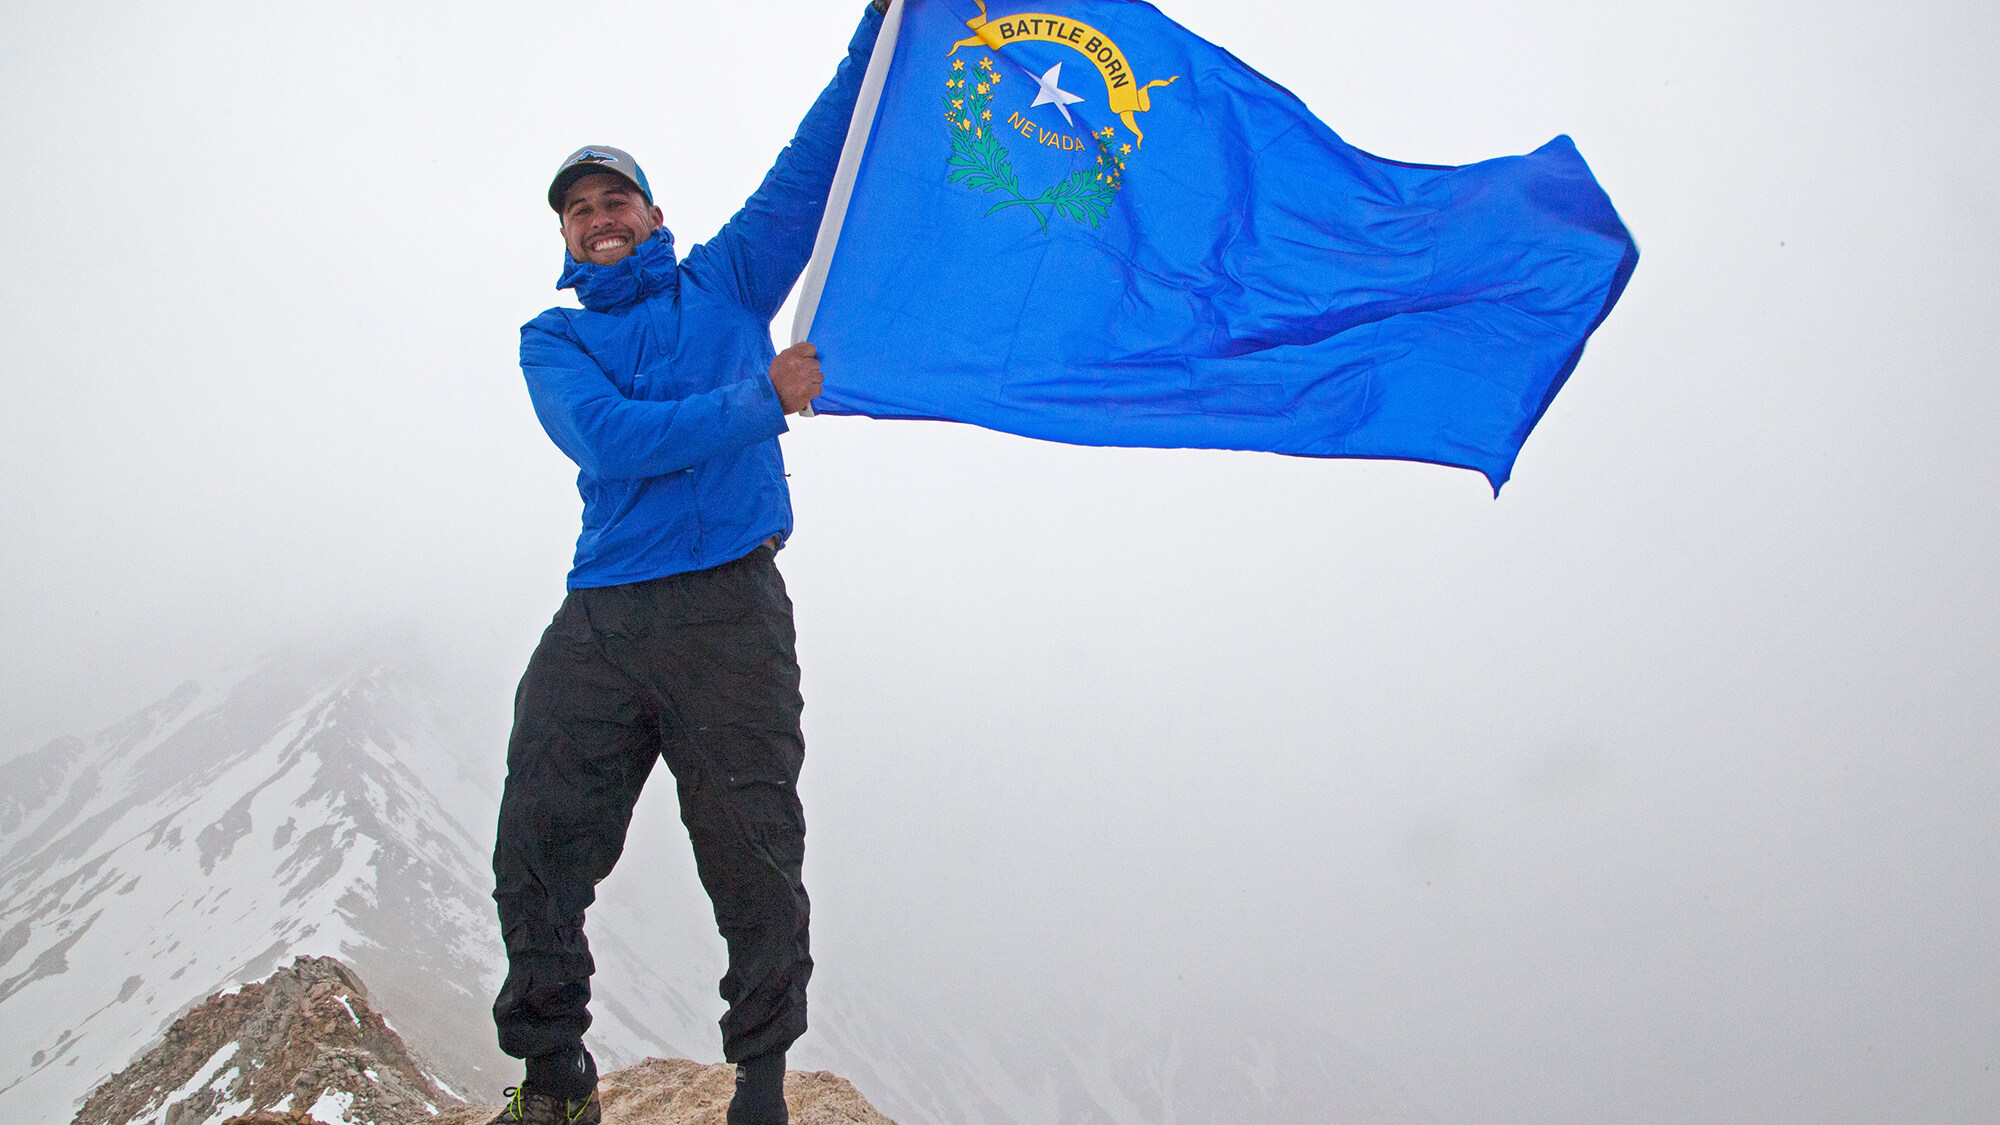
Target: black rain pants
[(700, 669)]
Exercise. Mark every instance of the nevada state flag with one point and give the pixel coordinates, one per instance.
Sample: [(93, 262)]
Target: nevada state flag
[(1080, 222)]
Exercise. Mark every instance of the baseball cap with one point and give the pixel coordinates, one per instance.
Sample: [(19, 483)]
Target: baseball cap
[(591, 159)]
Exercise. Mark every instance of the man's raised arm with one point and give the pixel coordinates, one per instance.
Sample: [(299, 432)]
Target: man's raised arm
[(762, 250)]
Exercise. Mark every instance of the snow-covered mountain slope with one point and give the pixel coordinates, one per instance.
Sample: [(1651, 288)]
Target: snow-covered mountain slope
[(304, 806)]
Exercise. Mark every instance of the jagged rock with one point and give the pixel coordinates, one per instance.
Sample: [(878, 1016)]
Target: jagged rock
[(305, 1048), (300, 1047), (679, 1092)]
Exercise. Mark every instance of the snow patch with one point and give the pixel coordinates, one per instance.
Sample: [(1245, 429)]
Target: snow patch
[(350, 1011), (227, 1110), (201, 1079), (440, 1084), (332, 1107)]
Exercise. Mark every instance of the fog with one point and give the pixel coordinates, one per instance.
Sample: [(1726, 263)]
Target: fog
[(1660, 788)]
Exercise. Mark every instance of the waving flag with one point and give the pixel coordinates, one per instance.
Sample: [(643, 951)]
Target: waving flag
[(1086, 224)]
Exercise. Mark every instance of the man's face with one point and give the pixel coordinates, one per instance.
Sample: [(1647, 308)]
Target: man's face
[(604, 219)]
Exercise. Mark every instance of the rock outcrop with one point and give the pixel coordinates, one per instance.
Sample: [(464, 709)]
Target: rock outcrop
[(301, 1046), (679, 1092), (305, 1048)]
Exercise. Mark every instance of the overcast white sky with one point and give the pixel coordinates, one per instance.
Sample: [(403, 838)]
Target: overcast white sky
[(1662, 788)]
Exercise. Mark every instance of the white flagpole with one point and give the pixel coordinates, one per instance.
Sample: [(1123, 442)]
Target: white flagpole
[(858, 131)]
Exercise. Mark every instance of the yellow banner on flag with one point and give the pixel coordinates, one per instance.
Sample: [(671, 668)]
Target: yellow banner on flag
[(1123, 92)]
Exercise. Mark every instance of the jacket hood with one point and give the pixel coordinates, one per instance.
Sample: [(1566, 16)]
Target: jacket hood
[(647, 272)]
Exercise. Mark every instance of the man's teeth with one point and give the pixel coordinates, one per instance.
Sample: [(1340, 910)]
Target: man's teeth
[(607, 243)]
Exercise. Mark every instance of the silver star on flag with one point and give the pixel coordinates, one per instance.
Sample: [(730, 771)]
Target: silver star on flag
[(1054, 94)]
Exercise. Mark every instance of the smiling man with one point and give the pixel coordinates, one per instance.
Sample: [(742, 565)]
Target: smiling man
[(675, 641)]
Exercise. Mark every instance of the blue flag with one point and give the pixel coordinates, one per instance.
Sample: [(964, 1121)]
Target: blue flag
[(1084, 223)]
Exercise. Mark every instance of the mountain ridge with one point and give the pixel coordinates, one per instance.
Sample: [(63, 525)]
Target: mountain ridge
[(297, 805)]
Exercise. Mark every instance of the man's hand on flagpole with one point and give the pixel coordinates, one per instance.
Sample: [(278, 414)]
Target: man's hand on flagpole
[(795, 374), (882, 6)]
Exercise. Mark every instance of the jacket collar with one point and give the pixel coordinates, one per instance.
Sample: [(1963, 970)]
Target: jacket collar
[(649, 271)]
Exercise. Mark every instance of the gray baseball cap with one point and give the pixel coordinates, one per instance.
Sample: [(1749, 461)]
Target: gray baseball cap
[(591, 159)]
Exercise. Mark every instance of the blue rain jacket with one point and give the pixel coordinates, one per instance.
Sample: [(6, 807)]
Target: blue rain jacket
[(659, 388)]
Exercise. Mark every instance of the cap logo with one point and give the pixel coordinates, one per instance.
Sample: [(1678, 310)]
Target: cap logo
[(616, 162)]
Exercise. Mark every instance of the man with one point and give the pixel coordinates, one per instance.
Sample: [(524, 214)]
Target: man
[(675, 640)]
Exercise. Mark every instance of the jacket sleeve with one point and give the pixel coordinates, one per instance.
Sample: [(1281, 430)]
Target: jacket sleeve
[(612, 437), (761, 251)]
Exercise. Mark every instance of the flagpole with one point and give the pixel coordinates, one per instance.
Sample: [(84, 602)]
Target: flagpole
[(849, 169)]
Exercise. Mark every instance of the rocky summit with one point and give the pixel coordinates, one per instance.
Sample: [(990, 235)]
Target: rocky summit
[(302, 1045), (679, 1092), (305, 1048)]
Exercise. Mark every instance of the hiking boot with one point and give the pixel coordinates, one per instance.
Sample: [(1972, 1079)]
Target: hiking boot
[(760, 1091), (525, 1107)]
